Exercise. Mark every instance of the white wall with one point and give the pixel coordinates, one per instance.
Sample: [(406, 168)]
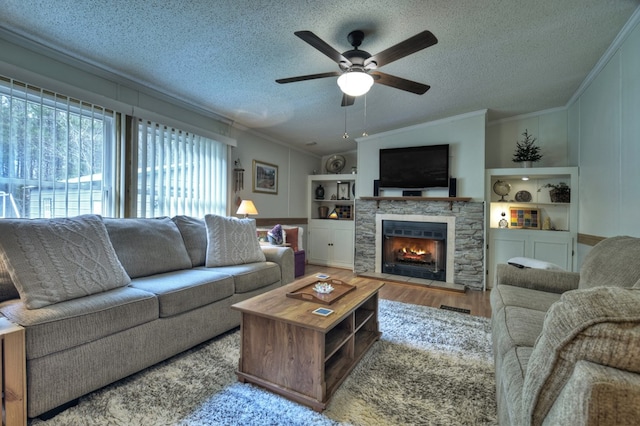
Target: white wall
[(465, 135), (293, 168), (548, 127), (605, 126)]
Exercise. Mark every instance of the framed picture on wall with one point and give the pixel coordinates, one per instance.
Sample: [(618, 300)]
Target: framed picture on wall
[(343, 191), (524, 218), (265, 177)]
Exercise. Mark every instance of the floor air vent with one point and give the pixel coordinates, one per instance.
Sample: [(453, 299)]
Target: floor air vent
[(453, 308)]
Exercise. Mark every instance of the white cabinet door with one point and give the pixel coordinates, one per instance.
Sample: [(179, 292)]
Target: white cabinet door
[(552, 248), (503, 245), (342, 247), (319, 240), (331, 243), (549, 246)]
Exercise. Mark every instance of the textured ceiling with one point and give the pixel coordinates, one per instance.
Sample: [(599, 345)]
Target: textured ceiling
[(508, 56)]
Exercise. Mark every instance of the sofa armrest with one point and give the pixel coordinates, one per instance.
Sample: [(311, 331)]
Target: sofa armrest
[(596, 395), (537, 279), (283, 256), (600, 325)]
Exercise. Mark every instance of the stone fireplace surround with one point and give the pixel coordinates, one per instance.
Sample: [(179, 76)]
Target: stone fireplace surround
[(468, 223), (449, 220)]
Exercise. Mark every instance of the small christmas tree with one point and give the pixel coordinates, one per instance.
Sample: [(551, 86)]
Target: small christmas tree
[(526, 150)]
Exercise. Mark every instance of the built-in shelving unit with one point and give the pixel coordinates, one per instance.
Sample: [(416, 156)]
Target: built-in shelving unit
[(551, 237), (331, 220)]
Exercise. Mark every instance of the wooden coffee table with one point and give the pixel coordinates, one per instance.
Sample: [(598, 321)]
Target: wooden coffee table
[(291, 351)]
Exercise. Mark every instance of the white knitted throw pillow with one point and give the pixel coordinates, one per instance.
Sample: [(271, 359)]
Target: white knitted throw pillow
[(231, 241), (53, 260)]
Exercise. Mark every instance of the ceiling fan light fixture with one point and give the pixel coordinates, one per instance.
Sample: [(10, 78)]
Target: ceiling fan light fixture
[(355, 82)]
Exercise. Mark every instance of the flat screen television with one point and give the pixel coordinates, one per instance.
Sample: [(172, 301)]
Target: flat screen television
[(415, 167)]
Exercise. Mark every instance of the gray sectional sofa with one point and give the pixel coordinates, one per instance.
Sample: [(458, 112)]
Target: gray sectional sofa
[(567, 344), (92, 318)]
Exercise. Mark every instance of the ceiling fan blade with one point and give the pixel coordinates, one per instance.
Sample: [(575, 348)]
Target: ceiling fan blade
[(400, 83), (347, 100), (322, 46), (308, 77), (405, 48)]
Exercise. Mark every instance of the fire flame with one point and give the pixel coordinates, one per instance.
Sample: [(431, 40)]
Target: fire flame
[(413, 251)]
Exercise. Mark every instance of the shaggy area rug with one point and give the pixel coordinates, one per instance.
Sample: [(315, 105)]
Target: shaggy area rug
[(431, 367)]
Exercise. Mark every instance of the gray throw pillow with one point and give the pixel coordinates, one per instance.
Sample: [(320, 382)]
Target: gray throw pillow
[(148, 246), (231, 241), (194, 235), (7, 290), (53, 260)]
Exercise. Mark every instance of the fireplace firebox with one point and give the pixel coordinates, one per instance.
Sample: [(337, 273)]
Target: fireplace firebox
[(414, 249)]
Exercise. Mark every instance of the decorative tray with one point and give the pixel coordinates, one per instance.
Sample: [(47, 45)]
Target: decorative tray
[(308, 293)]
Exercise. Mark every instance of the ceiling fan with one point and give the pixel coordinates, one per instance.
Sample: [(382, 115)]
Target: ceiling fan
[(358, 67)]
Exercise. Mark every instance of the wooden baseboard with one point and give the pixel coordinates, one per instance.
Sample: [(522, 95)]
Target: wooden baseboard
[(273, 221), (589, 240)]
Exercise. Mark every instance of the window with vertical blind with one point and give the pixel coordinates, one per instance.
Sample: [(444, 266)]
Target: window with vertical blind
[(179, 173), (56, 153)]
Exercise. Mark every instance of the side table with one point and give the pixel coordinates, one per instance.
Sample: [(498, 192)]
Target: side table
[(13, 380)]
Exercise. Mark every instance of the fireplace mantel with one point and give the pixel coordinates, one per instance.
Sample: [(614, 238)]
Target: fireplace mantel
[(449, 199)]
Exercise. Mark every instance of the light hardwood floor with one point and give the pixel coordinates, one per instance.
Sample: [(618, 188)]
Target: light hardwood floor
[(476, 301)]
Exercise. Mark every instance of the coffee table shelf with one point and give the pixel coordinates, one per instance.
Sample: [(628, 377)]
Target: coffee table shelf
[(336, 337), (287, 349)]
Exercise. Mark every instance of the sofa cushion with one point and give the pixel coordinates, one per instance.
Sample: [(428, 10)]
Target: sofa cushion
[(600, 325), (53, 260), (511, 378), (194, 235), (231, 241), (68, 324), (516, 327), (252, 276), (612, 262), (148, 246), (509, 295), (182, 291)]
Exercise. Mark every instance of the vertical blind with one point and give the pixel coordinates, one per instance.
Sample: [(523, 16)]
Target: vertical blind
[(55, 153), (179, 173)]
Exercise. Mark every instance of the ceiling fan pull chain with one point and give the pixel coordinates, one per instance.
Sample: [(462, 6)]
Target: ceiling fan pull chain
[(346, 135), (364, 130)]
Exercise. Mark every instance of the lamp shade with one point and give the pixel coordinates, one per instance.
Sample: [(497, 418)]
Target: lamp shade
[(355, 82), (246, 208)]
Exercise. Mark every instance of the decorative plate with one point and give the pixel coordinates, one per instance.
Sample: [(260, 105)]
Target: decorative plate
[(335, 163), (523, 196)]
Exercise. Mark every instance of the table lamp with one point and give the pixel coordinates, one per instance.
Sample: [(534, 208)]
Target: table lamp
[(246, 208)]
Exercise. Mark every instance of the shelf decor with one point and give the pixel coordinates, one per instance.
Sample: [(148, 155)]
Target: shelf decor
[(526, 151), (502, 189), (265, 177), (521, 218), (343, 191), (559, 193)]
